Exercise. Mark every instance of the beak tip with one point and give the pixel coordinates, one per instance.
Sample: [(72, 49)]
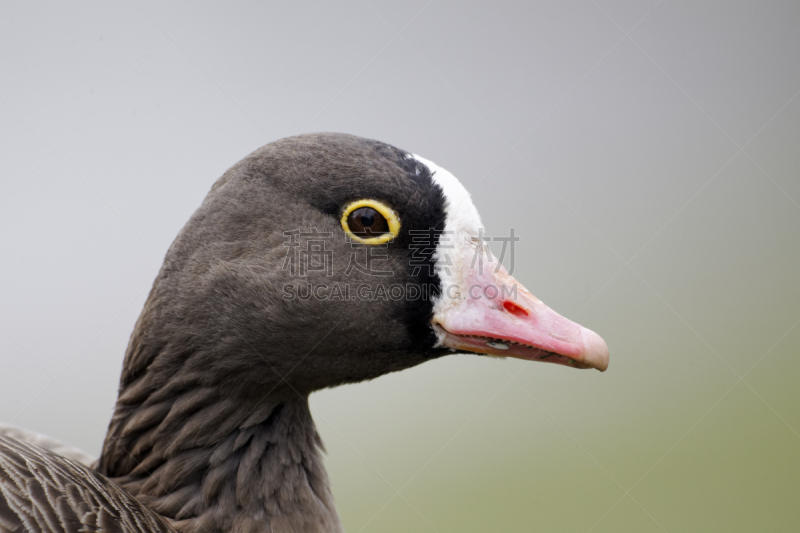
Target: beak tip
[(595, 350)]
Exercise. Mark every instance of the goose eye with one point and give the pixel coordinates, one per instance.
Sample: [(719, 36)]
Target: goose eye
[(366, 222), (370, 221)]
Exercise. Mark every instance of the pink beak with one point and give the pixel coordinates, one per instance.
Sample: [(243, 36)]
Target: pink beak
[(489, 312)]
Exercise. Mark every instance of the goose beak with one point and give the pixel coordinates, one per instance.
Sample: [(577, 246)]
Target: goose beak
[(487, 311)]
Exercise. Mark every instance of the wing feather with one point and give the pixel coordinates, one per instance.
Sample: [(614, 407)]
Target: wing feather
[(41, 491), (48, 443)]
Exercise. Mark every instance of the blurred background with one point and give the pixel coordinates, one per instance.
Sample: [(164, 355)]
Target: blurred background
[(647, 154)]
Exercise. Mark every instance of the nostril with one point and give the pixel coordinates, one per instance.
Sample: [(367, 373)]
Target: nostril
[(514, 309)]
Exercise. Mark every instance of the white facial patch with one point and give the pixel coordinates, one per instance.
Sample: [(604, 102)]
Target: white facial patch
[(461, 217), (461, 238)]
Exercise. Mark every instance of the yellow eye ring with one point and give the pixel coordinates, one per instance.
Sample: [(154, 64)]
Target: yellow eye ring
[(391, 219)]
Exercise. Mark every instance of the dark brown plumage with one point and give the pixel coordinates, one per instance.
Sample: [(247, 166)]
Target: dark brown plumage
[(42, 491), (212, 430)]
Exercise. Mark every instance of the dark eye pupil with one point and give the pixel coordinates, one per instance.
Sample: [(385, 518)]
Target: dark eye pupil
[(366, 222)]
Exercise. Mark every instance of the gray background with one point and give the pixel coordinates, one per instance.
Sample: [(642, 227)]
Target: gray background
[(647, 153)]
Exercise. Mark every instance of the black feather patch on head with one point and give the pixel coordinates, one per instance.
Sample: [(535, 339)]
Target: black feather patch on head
[(366, 168)]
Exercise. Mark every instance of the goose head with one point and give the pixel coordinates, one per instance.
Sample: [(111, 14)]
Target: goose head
[(316, 261), (281, 270)]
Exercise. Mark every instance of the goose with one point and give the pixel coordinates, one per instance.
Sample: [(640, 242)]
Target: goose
[(316, 261)]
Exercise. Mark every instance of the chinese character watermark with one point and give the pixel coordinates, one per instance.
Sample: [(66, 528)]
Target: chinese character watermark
[(310, 255)]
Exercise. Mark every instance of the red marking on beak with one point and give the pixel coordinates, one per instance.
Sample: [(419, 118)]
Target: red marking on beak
[(514, 309)]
